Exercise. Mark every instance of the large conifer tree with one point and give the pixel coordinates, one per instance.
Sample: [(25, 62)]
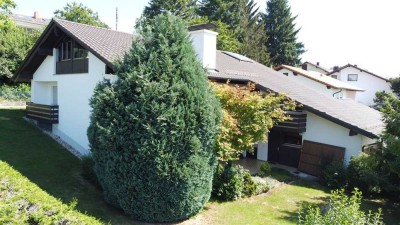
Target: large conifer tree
[(280, 29), (183, 8), (152, 132)]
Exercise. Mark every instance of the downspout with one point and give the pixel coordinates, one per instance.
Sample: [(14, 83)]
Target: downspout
[(337, 92)]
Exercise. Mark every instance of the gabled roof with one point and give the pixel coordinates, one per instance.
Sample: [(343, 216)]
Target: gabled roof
[(107, 45), (320, 78), (356, 67), (347, 113), (317, 66)]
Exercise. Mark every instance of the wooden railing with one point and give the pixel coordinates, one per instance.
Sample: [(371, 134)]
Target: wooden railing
[(42, 113), (297, 124)]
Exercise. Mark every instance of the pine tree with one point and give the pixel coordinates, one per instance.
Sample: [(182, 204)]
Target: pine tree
[(282, 35), (152, 132), (183, 8)]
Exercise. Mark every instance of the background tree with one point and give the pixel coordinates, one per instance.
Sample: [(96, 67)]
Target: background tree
[(81, 14), (247, 118), (395, 85), (280, 29), (183, 8), (5, 10), (152, 132)]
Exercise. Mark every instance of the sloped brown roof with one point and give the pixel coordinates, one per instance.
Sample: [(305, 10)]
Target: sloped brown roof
[(347, 113), (362, 70)]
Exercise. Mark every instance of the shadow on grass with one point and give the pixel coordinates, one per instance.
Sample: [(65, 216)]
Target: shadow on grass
[(47, 164)]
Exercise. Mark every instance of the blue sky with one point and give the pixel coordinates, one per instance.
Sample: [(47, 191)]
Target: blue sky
[(334, 32)]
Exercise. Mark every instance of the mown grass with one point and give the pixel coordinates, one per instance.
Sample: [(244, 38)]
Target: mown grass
[(56, 171)]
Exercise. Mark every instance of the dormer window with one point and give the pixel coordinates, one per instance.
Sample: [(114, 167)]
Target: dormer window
[(72, 58)]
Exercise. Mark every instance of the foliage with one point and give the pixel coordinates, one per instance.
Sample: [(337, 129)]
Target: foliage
[(247, 117), (280, 29), (22, 202), (226, 40), (81, 14), (249, 186), (341, 209), (264, 184), (14, 45), (228, 183), (163, 96), (265, 170), (87, 170), (183, 8), (334, 175), (395, 85), (5, 10), (20, 92)]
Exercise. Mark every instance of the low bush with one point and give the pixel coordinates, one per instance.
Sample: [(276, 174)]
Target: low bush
[(341, 209), (228, 182), (20, 92), (87, 170), (249, 186), (265, 170), (22, 202), (334, 175), (264, 184)]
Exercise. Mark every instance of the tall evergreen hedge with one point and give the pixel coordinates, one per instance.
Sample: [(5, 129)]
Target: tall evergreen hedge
[(152, 131)]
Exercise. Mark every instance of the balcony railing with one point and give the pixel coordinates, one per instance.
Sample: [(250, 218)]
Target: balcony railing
[(42, 113), (296, 125)]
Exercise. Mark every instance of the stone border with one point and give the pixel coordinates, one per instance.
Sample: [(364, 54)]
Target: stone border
[(67, 146)]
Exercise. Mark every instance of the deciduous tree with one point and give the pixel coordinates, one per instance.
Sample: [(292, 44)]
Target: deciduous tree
[(81, 14), (5, 10)]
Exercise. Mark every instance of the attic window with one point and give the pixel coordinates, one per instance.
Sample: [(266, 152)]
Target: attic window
[(72, 58), (334, 76), (352, 77)]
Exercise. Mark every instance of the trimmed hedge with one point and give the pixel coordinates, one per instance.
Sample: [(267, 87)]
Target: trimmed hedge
[(22, 202), (20, 92), (152, 132)]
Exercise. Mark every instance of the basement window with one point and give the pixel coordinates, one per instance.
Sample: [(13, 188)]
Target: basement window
[(352, 77), (72, 58)]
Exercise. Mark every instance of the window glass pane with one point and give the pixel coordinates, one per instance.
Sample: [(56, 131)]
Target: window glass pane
[(69, 46), (352, 77)]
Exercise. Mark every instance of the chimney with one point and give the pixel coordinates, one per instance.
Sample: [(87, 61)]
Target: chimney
[(205, 44), (36, 15), (317, 63)]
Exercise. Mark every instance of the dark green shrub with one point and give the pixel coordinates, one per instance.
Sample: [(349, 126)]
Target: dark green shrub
[(249, 186), (340, 209), (152, 132), (334, 175), (87, 170), (228, 183), (265, 170)]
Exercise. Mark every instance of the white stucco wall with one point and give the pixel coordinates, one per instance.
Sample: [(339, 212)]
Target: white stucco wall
[(326, 132), (316, 69), (74, 92), (370, 83), (262, 151), (205, 45)]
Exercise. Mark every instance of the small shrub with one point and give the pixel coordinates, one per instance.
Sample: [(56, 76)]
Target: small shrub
[(228, 184), (265, 170), (341, 209), (334, 175), (20, 92), (87, 166), (249, 186), (264, 184)]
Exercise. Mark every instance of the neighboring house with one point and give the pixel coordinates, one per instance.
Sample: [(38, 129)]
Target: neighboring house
[(35, 22), (364, 79), (321, 82), (314, 67), (69, 59)]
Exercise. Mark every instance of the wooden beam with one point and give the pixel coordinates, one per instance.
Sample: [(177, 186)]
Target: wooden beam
[(45, 51)]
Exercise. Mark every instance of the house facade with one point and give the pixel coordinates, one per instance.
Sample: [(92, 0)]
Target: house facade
[(314, 67), (321, 82), (69, 59), (364, 79)]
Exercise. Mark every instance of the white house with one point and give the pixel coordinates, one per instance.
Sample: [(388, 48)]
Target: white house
[(69, 59), (364, 79), (314, 67), (321, 82)]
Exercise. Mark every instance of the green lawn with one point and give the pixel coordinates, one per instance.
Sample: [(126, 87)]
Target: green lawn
[(56, 171)]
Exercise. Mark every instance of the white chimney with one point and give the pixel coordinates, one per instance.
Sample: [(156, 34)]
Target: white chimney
[(205, 44), (36, 15)]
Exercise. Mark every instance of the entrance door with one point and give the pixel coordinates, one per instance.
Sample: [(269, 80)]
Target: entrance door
[(54, 93), (274, 141)]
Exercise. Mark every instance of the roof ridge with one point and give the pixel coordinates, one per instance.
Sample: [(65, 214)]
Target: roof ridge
[(56, 19)]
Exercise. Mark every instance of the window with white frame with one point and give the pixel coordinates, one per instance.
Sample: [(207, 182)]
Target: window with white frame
[(352, 77)]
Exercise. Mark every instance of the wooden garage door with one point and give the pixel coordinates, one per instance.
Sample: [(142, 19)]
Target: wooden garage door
[(313, 154)]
